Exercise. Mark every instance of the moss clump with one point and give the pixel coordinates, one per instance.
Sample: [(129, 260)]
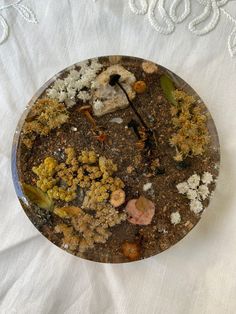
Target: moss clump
[(45, 115), (191, 135)]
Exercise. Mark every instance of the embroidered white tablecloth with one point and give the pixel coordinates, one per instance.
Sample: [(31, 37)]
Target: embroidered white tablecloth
[(197, 40)]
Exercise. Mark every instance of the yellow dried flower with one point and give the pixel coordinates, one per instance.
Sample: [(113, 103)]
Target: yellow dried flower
[(45, 115), (88, 157), (192, 134), (72, 175), (107, 167)]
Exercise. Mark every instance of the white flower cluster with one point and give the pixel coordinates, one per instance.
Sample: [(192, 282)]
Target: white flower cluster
[(196, 190), (175, 218), (76, 85), (147, 186)]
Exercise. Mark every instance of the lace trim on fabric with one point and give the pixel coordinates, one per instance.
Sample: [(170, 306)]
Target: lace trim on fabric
[(209, 18), (24, 12)]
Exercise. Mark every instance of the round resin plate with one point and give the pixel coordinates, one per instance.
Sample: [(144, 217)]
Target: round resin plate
[(115, 159)]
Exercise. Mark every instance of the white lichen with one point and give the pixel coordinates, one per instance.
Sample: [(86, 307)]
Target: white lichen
[(182, 187), (83, 95), (196, 190), (207, 178), (203, 191), (175, 218), (194, 181), (147, 186), (192, 194), (196, 206)]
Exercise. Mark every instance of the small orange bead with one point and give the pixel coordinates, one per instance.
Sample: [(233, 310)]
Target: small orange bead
[(139, 87), (102, 137)]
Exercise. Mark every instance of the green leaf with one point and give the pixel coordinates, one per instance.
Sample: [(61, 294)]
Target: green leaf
[(168, 87), (37, 196)]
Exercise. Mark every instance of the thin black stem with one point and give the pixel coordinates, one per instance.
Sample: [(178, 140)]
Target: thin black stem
[(133, 107)]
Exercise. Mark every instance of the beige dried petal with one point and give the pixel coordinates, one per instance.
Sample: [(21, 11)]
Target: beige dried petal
[(115, 59), (142, 203), (117, 198), (149, 67)]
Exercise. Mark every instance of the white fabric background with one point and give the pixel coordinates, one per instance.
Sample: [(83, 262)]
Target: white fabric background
[(197, 275)]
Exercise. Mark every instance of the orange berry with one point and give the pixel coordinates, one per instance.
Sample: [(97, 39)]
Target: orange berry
[(131, 250), (139, 87)]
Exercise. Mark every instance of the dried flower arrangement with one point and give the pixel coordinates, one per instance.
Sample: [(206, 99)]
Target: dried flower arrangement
[(101, 177)]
